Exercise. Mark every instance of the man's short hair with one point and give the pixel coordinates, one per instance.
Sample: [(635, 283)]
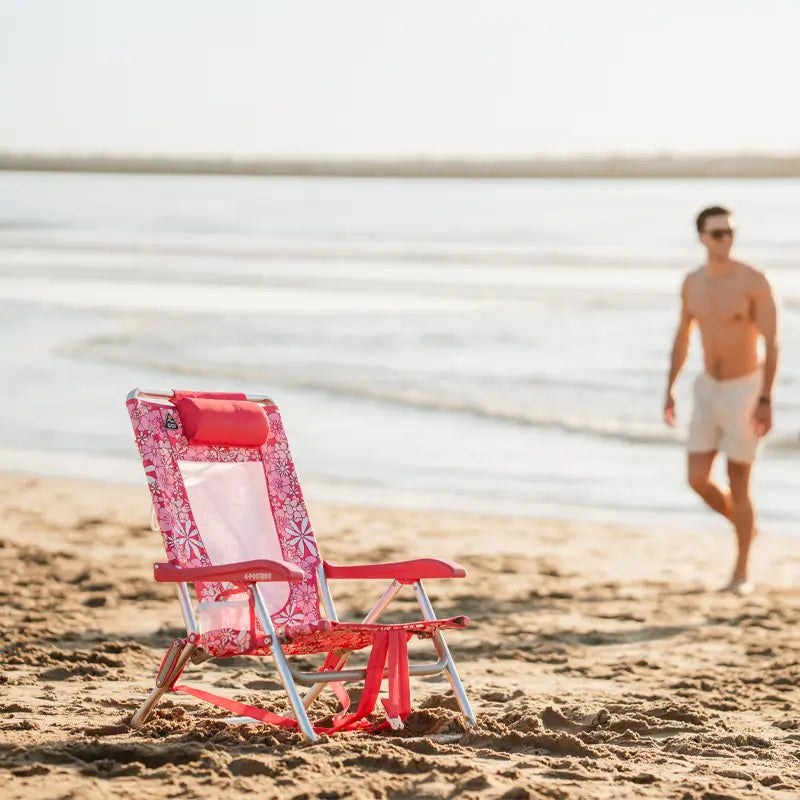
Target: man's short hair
[(711, 211)]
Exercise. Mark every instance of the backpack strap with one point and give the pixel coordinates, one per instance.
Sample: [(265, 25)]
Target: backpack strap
[(372, 683), (337, 687), (242, 709), (398, 704)]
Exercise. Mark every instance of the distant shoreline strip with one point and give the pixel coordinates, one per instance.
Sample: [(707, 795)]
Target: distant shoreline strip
[(743, 166)]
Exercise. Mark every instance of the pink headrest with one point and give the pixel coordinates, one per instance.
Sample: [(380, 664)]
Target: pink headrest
[(228, 420)]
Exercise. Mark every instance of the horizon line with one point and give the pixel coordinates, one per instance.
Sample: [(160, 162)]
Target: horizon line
[(661, 164)]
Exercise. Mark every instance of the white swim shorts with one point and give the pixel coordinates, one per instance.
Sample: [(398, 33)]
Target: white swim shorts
[(722, 418)]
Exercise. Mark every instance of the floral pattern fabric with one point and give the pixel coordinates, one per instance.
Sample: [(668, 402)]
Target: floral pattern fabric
[(162, 444)]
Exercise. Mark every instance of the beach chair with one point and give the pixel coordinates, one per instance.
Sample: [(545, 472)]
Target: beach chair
[(235, 527)]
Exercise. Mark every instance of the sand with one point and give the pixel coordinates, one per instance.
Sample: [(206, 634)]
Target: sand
[(600, 663)]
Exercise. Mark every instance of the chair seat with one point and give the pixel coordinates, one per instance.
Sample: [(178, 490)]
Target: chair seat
[(320, 637)]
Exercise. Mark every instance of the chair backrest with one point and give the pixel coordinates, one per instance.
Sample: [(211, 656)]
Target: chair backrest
[(219, 504)]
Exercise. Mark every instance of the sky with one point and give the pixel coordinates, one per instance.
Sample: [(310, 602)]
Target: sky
[(409, 77)]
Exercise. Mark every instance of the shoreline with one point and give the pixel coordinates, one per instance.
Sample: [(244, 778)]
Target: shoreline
[(133, 497), (742, 166), (695, 520)]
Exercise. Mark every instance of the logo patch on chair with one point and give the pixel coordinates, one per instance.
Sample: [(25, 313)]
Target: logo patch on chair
[(258, 576), (169, 423)]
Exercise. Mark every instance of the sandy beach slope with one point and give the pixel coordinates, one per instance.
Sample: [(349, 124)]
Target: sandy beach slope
[(600, 663)]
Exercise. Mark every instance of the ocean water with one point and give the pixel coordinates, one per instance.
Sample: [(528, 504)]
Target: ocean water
[(474, 344)]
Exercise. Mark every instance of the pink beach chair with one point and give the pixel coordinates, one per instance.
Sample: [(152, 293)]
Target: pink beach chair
[(234, 525)]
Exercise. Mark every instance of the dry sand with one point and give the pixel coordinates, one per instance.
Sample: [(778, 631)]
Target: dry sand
[(599, 662)]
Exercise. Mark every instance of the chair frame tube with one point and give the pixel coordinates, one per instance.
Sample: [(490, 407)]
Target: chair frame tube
[(353, 675), (186, 608), (284, 670), (142, 715), (325, 592), (444, 652)]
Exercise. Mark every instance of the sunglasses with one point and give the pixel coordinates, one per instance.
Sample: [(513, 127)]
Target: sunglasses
[(719, 235)]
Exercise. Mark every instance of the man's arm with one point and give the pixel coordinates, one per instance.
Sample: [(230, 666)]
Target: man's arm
[(765, 314), (680, 350)]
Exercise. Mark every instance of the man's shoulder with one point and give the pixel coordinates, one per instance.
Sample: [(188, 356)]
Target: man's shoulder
[(692, 276), (754, 277)]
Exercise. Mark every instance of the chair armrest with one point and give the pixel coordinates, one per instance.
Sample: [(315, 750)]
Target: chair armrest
[(261, 569), (404, 571)]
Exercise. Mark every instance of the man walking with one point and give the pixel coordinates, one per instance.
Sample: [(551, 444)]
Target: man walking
[(733, 306)]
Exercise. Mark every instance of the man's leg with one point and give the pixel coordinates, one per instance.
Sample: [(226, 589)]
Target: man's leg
[(743, 516), (699, 476)]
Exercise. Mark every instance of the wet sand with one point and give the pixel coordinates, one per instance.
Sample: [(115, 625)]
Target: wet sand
[(600, 663)]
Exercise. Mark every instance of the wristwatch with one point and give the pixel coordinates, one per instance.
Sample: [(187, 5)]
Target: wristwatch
[(764, 400)]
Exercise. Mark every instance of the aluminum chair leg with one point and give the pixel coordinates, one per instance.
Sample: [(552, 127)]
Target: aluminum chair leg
[(142, 715), (282, 664), (444, 653)]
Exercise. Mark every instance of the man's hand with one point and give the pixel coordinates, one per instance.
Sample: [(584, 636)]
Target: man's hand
[(669, 410), (762, 418)]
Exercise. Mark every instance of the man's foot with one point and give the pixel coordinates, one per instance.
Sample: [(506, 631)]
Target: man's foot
[(739, 586)]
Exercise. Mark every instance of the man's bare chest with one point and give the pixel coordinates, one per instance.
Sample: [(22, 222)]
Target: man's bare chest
[(730, 305)]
